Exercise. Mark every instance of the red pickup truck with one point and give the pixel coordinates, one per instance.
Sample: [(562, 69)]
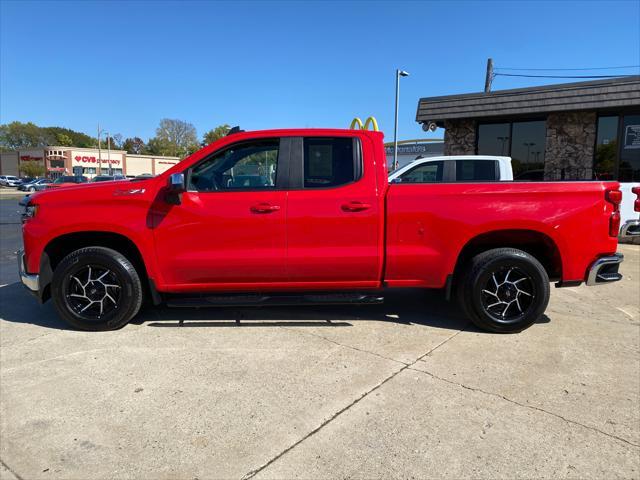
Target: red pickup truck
[(308, 215)]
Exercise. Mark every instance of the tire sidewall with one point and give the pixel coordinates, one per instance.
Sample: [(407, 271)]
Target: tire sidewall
[(483, 271), (128, 304)]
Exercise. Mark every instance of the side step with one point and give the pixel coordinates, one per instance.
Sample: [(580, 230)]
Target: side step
[(244, 300)]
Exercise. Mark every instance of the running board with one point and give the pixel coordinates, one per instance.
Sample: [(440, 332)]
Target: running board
[(244, 300)]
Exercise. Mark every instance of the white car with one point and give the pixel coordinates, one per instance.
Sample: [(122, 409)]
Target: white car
[(455, 168), (630, 218), (9, 181)]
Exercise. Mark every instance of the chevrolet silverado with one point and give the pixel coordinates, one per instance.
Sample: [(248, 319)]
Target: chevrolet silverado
[(308, 216)]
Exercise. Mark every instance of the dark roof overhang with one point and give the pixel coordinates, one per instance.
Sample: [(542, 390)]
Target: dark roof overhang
[(622, 92)]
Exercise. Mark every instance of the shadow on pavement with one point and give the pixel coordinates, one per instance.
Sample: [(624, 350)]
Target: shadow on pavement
[(409, 307)]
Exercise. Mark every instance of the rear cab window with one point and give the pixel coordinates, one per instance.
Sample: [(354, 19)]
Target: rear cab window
[(331, 161), (476, 170)]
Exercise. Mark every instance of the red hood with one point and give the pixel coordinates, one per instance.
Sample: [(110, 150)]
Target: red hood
[(78, 192)]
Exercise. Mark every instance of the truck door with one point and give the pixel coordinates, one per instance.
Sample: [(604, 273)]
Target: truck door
[(333, 214), (229, 229)]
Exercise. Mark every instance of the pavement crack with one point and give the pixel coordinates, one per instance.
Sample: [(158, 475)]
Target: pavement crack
[(10, 470), (405, 366), (346, 346), (531, 407)]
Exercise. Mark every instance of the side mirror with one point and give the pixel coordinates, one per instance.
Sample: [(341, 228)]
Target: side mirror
[(176, 183), (397, 180), (175, 187)]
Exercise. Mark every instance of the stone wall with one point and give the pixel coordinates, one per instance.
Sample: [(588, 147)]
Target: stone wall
[(570, 144), (460, 137)]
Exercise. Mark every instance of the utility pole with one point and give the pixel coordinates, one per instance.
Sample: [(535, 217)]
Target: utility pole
[(489, 78), (109, 153), (99, 150)]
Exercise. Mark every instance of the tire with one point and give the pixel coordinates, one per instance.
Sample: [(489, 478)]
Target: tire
[(96, 289), (504, 290)]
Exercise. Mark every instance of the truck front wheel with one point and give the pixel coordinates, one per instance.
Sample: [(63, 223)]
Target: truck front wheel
[(96, 288), (504, 290)]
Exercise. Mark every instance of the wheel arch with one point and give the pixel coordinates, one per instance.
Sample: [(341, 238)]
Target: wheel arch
[(534, 242), (62, 245)]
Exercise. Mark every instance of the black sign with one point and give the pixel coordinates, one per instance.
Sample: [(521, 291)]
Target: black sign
[(632, 137)]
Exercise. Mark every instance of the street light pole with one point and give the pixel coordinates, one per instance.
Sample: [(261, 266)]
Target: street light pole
[(399, 73), (109, 153), (99, 151)]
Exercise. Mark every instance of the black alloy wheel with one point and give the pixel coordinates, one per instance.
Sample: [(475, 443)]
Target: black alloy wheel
[(96, 288), (503, 290)]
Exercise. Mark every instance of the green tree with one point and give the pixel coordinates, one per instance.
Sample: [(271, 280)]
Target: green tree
[(32, 169), (134, 145), (78, 139), (16, 135), (174, 138), (216, 134), (63, 140)]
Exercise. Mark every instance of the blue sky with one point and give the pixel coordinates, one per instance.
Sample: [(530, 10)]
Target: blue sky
[(284, 64)]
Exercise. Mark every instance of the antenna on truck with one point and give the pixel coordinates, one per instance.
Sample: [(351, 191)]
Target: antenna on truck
[(235, 129)]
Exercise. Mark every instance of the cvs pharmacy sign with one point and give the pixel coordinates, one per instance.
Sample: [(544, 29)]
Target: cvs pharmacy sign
[(88, 159)]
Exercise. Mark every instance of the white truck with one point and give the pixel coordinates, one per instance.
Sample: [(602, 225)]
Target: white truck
[(454, 168)]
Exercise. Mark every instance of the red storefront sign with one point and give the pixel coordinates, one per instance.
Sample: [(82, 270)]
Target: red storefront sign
[(29, 158), (87, 159)]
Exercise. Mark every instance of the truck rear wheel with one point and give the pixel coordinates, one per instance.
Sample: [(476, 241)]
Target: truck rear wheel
[(505, 290), (96, 288)]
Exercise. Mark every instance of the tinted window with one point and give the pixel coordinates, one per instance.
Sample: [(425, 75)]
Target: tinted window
[(606, 148), (527, 148), (493, 139), (523, 141), (630, 151), (476, 170), (426, 173), (250, 165), (329, 162)]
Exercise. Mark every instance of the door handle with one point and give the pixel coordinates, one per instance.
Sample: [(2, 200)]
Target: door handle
[(265, 208), (355, 206)]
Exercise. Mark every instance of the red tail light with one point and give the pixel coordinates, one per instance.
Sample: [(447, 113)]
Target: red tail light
[(614, 197), (614, 224), (636, 204)]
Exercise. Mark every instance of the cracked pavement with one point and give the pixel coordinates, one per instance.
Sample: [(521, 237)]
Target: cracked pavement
[(407, 389)]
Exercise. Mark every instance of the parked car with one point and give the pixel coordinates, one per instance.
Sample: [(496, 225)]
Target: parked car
[(9, 181), (108, 178), (454, 168), (329, 230), (629, 209), (34, 185), (67, 180)]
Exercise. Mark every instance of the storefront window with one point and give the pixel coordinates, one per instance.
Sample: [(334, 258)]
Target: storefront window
[(604, 165), (527, 150), (629, 170), (493, 139), (524, 142)]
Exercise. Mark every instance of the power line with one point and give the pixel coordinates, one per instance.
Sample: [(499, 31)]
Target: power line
[(567, 69), (560, 76)]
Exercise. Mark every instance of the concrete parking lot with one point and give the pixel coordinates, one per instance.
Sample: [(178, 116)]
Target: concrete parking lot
[(408, 389)]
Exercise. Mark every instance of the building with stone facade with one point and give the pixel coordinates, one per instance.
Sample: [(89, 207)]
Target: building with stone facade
[(571, 131)]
